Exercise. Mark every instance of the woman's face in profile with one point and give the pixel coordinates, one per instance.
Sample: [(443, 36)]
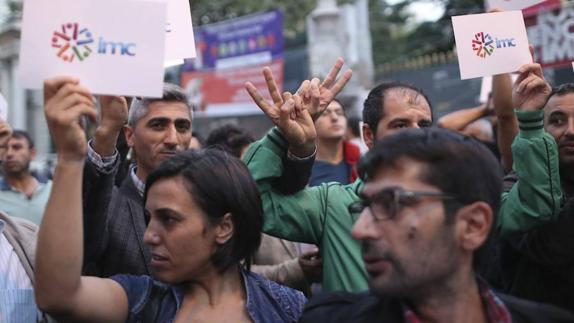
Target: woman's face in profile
[(180, 239)]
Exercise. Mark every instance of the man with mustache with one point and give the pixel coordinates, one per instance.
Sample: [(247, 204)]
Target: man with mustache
[(420, 224), (114, 224), (537, 258)]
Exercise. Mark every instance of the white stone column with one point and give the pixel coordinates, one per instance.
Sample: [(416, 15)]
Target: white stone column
[(17, 111), (324, 34)]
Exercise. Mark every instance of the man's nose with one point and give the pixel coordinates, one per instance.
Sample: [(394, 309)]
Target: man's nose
[(365, 228), (570, 128), (170, 135)]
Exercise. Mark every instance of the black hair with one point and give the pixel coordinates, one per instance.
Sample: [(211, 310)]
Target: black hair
[(219, 183), (458, 165), (562, 89), (374, 105), (229, 138), (23, 134)]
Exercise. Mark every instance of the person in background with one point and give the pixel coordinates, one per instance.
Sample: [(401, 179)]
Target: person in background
[(336, 158), (21, 194), (354, 133), (154, 129)]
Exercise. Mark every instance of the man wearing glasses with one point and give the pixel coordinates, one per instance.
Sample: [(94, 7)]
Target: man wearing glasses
[(419, 224)]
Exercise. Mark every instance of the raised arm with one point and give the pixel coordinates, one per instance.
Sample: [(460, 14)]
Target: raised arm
[(298, 216), (457, 120), (99, 174), (537, 195), (60, 289), (507, 124)]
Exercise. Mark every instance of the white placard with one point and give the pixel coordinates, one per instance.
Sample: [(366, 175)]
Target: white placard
[(114, 47), (490, 43), (486, 87), (511, 4), (179, 41), (3, 108)]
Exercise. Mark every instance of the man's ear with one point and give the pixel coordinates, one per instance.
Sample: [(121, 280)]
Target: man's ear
[(224, 229), (368, 136), (473, 225), (129, 134)]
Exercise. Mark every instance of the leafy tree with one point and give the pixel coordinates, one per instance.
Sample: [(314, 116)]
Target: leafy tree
[(431, 37)]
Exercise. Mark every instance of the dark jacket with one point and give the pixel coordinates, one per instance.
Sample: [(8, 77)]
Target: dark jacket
[(367, 308), (114, 225), (539, 264)]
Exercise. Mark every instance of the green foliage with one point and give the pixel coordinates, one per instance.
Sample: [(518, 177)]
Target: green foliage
[(431, 37)]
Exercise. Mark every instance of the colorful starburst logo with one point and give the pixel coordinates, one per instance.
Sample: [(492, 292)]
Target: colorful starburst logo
[(483, 45), (72, 42)]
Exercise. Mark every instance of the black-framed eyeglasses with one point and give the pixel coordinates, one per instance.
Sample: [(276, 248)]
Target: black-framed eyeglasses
[(388, 202)]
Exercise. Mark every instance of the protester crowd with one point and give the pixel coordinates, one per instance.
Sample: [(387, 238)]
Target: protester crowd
[(465, 222)]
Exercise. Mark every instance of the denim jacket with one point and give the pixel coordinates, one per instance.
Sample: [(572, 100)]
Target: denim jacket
[(266, 302)]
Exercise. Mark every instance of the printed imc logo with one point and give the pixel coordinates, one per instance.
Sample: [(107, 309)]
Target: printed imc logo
[(72, 42), (483, 44), (75, 42)]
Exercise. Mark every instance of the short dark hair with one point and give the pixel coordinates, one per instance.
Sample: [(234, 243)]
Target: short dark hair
[(19, 134), (229, 138), (562, 89), (374, 105), (458, 165), (219, 183)]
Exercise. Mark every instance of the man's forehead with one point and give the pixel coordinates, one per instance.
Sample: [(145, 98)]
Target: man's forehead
[(400, 101), (167, 109), (17, 140), (405, 96), (563, 103), (404, 173)]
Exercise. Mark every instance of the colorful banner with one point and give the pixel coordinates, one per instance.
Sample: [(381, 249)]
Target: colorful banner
[(229, 54)]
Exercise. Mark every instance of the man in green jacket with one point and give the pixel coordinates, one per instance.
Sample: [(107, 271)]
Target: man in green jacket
[(537, 214), (543, 154), (319, 215)]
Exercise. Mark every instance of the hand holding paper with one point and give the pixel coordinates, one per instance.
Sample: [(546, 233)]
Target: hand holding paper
[(65, 102), (491, 43), (111, 49), (531, 91)]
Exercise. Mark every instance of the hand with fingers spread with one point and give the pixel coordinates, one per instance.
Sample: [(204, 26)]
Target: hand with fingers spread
[(530, 91), (290, 114), (65, 102), (329, 89), (114, 115)]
